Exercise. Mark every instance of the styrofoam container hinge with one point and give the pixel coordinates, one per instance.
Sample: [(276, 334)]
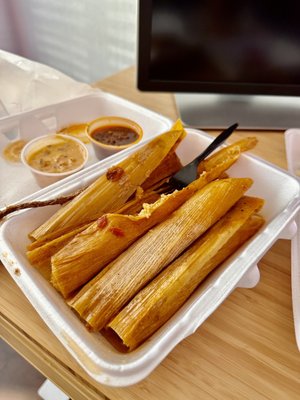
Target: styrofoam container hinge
[(250, 279), (289, 231)]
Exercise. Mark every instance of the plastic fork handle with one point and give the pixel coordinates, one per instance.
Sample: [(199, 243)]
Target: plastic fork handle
[(216, 142)]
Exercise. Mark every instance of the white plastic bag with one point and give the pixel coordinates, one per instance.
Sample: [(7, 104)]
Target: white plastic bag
[(26, 85)]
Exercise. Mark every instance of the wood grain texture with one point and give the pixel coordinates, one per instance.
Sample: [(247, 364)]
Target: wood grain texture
[(245, 350)]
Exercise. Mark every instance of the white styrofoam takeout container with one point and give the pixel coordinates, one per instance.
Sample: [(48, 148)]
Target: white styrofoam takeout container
[(16, 181), (292, 146), (100, 360)]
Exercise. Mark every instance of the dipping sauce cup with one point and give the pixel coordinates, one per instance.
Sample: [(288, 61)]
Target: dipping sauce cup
[(109, 135), (53, 157)]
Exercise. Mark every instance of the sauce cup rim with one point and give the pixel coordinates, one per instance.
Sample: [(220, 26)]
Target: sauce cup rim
[(126, 122), (53, 174)]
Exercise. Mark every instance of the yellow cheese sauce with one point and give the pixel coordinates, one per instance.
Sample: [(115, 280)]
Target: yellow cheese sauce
[(77, 130), (57, 157), (13, 150)]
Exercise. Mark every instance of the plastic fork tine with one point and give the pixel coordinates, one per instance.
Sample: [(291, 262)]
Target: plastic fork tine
[(188, 173)]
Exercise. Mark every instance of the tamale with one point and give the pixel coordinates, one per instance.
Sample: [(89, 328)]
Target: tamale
[(87, 254), (40, 256), (47, 239), (111, 190), (163, 296), (103, 297), (169, 166), (135, 205), (40, 251), (220, 155)]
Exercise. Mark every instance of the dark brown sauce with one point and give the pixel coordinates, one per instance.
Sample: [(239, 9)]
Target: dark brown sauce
[(114, 173), (115, 135)]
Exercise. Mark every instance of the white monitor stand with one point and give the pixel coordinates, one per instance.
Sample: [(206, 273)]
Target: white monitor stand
[(251, 112)]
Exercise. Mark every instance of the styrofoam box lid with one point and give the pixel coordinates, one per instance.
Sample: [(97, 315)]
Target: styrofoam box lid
[(16, 181), (292, 145), (100, 360)]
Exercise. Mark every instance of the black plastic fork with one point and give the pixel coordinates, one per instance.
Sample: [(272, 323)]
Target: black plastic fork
[(188, 173)]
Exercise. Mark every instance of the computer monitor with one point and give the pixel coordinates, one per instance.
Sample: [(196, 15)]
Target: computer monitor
[(225, 60)]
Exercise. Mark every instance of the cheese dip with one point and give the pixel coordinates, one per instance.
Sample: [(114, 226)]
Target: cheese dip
[(60, 156), (12, 151)]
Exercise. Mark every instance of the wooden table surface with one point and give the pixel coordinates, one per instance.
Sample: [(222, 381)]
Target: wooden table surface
[(245, 350)]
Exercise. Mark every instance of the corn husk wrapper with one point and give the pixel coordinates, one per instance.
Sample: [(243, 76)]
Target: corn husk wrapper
[(103, 297), (40, 255), (87, 253), (84, 256), (162, 297), (149, 192), (169, 166), (133, 207), (39, 252), (107, 195), (219, 156)]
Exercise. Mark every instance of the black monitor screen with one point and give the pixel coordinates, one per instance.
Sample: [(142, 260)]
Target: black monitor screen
[(226, 46)]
